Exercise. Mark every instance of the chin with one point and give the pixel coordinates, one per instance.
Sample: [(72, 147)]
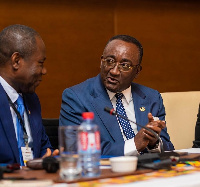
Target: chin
[(110, 88), (31, 90)]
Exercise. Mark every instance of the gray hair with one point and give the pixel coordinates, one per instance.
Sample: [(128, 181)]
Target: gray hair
[(17, 38)]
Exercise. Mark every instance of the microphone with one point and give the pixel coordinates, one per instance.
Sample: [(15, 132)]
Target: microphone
[(50, 164), (113, 112)]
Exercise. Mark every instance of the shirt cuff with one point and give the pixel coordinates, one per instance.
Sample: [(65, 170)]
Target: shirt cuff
[(130, 148), (155, 150)]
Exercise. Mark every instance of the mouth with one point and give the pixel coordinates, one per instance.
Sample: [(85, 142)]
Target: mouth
[(112, 80)]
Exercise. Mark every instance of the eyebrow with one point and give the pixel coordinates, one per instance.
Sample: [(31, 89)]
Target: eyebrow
[(126, 60), (111, 56)]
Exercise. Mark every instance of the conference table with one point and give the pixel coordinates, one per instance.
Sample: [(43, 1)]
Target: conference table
[(189, 176)]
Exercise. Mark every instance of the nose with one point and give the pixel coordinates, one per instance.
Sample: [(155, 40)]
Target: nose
[(115, 70), (44, 71)]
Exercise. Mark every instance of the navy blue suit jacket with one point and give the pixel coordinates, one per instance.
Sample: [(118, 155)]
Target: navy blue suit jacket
[(8, 143), (91, 96)]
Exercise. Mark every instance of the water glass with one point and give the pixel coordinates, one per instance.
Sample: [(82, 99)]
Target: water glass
[(70, 168)]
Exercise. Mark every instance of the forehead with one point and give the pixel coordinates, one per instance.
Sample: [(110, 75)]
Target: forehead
[(40, 48), (40, 44), (122, 49)]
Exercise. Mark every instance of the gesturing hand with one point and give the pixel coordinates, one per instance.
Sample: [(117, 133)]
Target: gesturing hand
[(49, 153), (145, 138), (156, 126)]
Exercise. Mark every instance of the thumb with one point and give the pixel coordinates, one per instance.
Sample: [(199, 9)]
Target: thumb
[(150, 117), (56, 152)]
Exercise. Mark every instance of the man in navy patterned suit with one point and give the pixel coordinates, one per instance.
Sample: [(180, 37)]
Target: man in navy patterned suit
[(120, 64)]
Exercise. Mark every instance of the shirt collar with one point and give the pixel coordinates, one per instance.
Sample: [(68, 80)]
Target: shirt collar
[(11, 92), (127, 94)]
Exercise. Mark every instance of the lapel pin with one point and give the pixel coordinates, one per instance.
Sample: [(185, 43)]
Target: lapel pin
[(29, 112), (142, 109)]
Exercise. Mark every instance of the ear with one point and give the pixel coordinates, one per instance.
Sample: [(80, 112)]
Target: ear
[(139, 68), (15, 59), (101, 61)]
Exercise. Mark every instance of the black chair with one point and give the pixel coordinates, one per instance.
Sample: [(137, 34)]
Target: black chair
[(196, 142), (51, 128)]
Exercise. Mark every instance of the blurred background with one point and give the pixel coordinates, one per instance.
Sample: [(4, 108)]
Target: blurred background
[(75, 33)]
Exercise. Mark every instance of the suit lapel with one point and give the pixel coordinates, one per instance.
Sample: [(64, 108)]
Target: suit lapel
[(33, 128), (141, 106), (7, 123), (99, 102)]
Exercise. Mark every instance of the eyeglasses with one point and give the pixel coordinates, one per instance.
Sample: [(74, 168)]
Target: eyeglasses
[(124, 66)]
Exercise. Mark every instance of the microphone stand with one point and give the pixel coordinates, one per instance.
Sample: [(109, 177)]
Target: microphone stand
[(113, 112)]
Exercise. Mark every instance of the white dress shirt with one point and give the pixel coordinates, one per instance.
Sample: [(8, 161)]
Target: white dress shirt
[(11, 92)]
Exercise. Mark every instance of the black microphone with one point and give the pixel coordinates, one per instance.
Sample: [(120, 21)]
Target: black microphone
[(50, 164), (113, 112)]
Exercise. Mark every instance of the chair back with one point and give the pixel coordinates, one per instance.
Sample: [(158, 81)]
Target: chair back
[(181, 116), (51, 128)]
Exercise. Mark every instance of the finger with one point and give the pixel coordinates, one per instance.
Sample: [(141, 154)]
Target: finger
[(150, 137), (150, 117), (48, 153), (141, 141), (159, 123), (149, 134), (163, 124), (154, 128), (56, 152)]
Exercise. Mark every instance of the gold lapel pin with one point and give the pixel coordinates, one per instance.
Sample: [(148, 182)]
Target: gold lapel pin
[(142, 109), (29, 112)]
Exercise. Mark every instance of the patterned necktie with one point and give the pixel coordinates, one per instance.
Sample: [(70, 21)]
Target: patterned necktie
[(128, 131), (20, 131)]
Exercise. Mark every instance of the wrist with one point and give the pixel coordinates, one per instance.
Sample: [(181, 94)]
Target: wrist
[(155, 146)]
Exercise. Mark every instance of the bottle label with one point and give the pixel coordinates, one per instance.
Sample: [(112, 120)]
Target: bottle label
[(84, 140), (89, 142), (97, 140)]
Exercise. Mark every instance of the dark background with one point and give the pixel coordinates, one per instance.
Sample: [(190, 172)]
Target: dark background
[(75, 33)]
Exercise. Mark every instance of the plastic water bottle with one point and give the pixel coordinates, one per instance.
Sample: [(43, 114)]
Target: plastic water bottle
[(89, 148)]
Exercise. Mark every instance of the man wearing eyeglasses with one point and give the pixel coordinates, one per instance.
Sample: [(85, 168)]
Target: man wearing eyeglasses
[(113, 88)]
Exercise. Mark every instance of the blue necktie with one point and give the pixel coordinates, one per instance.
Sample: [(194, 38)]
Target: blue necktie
[(20, 131), (125, 124)]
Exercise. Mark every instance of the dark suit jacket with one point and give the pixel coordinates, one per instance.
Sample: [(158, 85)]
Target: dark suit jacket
[(8, 143), (196, 142), (92, 96)]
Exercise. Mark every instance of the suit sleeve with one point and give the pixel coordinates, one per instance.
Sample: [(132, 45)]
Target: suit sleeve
[(167, 144), (71, 114), (71, 109), (112, 148), (45, 143), (40, 139)]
